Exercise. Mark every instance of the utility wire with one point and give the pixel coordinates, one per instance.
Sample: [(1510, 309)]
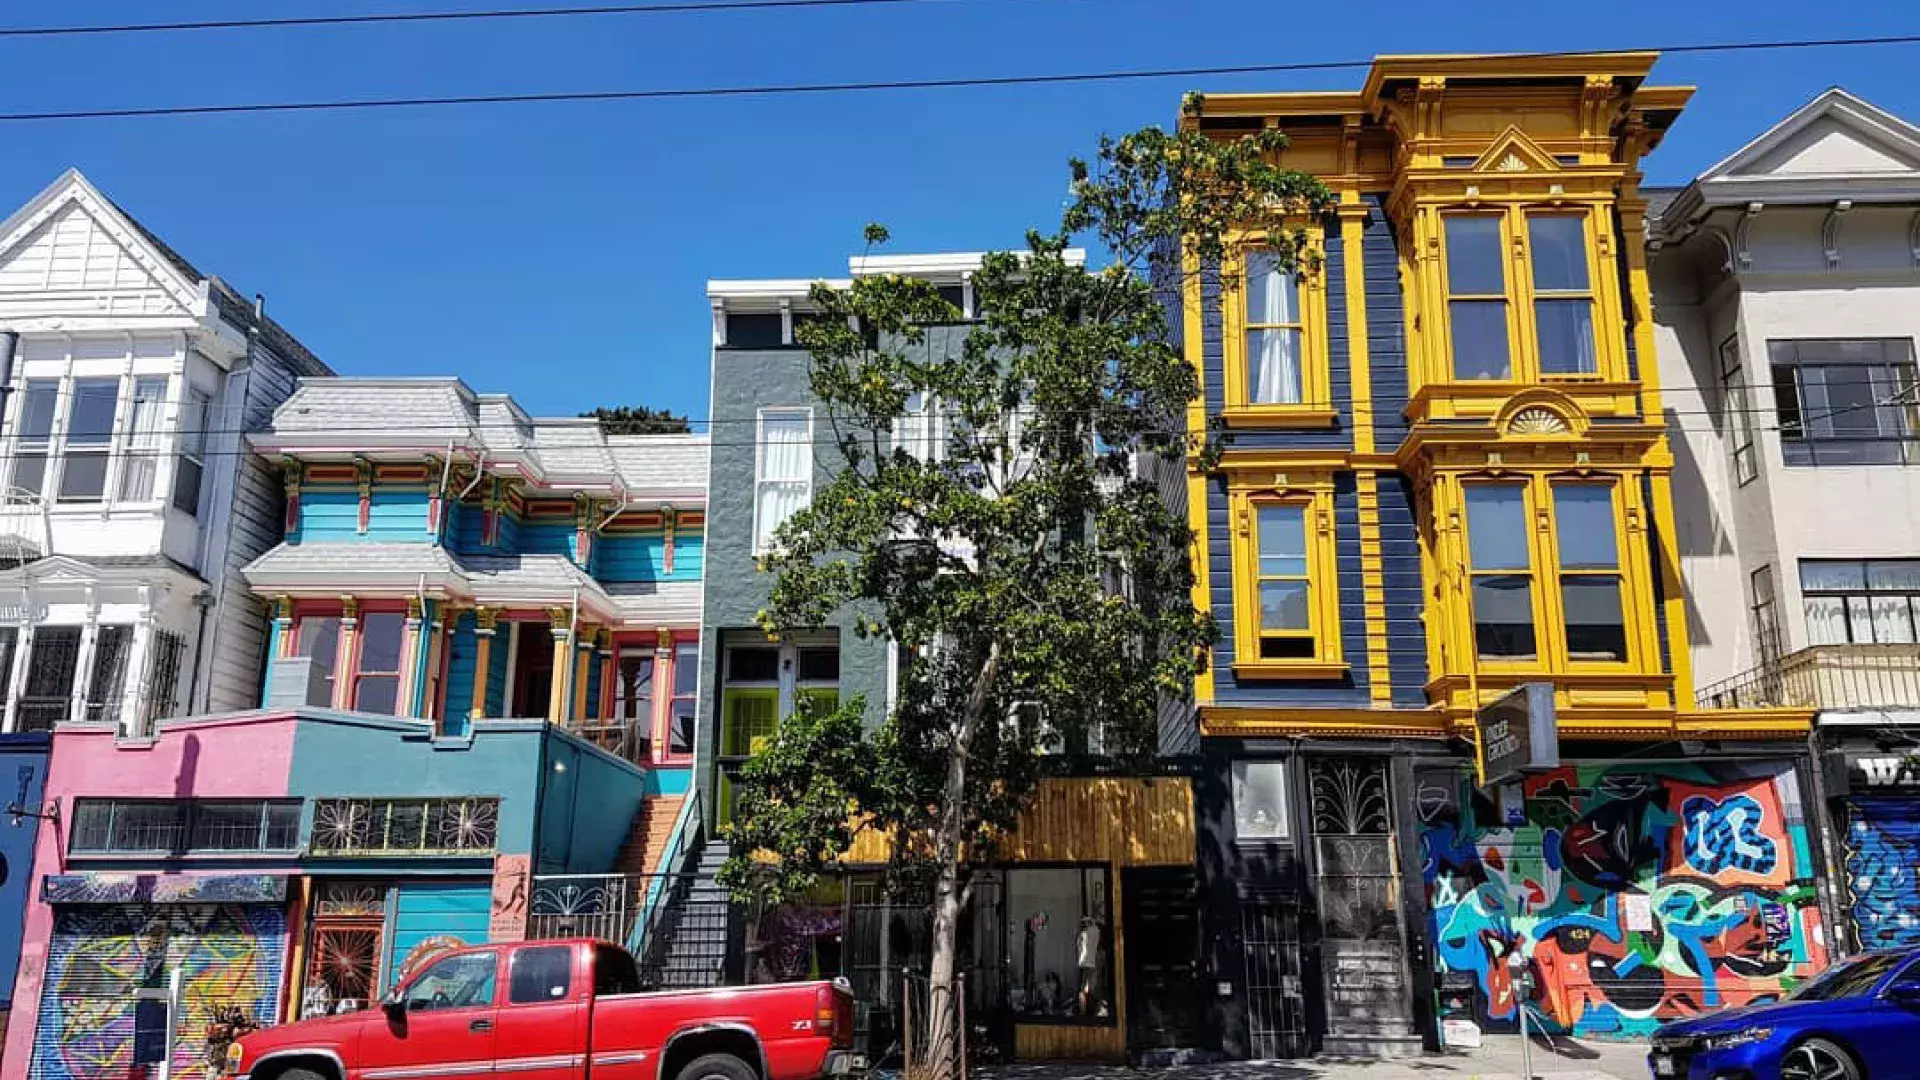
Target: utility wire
[(475, 15), (770, 90)]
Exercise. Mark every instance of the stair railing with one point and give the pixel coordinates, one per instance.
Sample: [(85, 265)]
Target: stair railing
[(677, 862)]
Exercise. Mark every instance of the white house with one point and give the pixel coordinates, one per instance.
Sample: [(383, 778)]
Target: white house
[(130, 503), (1786, 288)]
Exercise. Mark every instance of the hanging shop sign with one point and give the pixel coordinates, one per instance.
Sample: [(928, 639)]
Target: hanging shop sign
[(1517, 734)]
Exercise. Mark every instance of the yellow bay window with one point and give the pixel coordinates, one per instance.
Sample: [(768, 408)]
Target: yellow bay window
[(1547, 586), (1276, 340), (1522, 292), (1287, 614)]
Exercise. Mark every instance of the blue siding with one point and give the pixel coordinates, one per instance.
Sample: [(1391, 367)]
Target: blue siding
[(392, 517), (424, 911), (509, 540), (643, 557), (1405, 592), (544, 538), (463, 645), (1386, 324)]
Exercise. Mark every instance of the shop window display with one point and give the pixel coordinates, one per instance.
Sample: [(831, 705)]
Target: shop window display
[(1059, 953)]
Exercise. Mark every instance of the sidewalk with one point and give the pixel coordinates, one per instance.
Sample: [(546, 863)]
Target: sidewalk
[(1498, 1059)]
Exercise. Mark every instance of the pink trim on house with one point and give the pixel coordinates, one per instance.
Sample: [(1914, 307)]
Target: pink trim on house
[(245, 756)]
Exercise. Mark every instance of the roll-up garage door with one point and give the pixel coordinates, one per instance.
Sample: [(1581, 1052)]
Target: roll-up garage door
[(227, 954), (1883, 871)]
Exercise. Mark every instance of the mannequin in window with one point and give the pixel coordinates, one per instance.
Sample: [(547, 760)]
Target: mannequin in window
[(1087, 950)]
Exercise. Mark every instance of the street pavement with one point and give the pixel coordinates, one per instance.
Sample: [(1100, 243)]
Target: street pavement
[(1498, 1059)]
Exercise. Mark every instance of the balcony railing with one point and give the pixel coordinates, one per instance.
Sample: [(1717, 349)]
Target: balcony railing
[(584, 905), (1825, 677)]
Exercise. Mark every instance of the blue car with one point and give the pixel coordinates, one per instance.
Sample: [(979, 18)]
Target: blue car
[(1859, 1020)]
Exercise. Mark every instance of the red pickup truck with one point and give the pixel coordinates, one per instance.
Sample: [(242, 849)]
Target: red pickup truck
[(563, 1010)]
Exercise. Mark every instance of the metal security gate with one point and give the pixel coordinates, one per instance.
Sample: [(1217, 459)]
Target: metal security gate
[(1276, 1006), (1883, 851), (1356, 874), (227, 955)]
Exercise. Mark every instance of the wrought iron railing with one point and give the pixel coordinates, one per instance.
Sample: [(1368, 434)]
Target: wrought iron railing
[(583, 905), (1825, 677)]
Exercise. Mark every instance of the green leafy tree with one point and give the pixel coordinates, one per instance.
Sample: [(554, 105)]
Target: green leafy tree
[(638, 420), (1041, 586)]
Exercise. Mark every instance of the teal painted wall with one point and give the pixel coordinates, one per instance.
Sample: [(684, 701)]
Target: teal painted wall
[(338, 755), (643, 557), (425, 910), (588, 808), (669, 780), (393, 517)]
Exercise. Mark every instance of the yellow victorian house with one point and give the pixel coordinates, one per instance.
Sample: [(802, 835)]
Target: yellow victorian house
[(1447, 482)]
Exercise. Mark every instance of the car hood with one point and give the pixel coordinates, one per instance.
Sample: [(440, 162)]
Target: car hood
[(1720, 1023), (300, 1032)]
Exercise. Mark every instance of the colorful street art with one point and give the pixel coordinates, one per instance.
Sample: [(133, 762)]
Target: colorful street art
[(1635, 893), (1883, 859), (229, 955)]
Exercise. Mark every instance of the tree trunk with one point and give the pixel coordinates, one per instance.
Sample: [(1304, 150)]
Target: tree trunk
[(942, 1061), (942, 1055)]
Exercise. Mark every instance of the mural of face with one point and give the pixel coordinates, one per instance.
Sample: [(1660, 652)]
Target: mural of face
[(1635, 893)]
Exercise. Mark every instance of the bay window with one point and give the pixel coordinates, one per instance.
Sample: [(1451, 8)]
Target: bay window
[(111, 644), (683, 707), (1547, 583), (317, 637), (1521, 295), (1562, 294), (89, 441), (376, 682), (1500, 557), (1477, 297), (34, 436), (51, 665), (1846, 402), (140, 465), (196, 414)]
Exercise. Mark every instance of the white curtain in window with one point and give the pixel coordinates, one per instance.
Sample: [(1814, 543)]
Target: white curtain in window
[(1892, 621), (1826, 620), (1274, 355), (786, 469), (143, 442)]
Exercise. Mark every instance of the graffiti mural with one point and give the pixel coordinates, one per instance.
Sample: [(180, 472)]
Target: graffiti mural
[(228, 955), (1634, 893), (1883, 857)]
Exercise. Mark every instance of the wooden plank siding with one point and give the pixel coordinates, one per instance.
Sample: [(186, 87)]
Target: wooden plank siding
[(1123, 821)]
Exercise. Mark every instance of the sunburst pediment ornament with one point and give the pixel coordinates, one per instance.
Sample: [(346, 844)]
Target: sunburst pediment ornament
[(1538, 420), (1511, 163)]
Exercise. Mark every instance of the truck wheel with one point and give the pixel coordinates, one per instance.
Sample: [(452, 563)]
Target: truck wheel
[(716, 1067), (298, 1074)]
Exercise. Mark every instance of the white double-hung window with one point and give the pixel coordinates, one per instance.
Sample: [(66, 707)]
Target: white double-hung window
[(783, 472)]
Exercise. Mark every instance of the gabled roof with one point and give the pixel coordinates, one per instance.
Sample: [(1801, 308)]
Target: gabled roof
[(1835, 147)]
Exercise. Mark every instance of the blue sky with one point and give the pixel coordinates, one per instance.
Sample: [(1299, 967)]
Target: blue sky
[(560, 252)]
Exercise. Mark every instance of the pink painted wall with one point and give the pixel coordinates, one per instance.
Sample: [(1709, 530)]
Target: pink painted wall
[(243, 756)]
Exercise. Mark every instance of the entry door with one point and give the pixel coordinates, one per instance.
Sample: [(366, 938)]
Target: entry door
[(1356, 870), (1162, 928)]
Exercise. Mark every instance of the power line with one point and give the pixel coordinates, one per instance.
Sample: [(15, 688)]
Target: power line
[(769, 90), (473, 15)]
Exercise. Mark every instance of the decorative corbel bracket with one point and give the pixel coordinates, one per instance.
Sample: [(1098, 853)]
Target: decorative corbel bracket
[(1830, 232), (1742, 254)]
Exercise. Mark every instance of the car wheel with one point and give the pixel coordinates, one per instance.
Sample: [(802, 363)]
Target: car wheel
[(1818, 1059), (719, 1067)]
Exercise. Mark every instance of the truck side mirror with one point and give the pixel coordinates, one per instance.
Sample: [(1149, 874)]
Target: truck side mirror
[(394, 1005)]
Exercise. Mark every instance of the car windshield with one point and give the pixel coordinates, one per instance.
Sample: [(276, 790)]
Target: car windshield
[(1856, 979)]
